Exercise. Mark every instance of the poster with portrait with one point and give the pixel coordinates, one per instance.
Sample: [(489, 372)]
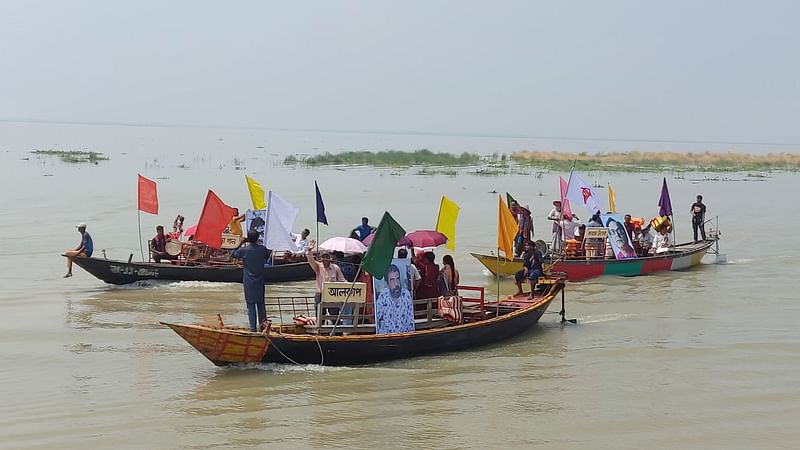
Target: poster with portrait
[(255, 220), (618, 237), (394, 306)]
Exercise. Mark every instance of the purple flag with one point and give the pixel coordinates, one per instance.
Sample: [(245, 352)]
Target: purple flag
[(321, 218), (664, 203)]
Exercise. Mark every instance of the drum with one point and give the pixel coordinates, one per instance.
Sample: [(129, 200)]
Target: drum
[(174, 247), (541, 246)]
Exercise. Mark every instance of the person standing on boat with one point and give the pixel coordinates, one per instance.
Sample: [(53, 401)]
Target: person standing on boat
[(698, 211), (254, 256), (235, 225), (413, 272), (324, 270), (85, 248), (522, 274), (450, 275), (535, 269), (555, 216)]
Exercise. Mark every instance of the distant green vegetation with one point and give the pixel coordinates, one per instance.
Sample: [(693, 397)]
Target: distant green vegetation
[(388, 158), (73, 156), (520, 163), (659, 161), (434, 171)]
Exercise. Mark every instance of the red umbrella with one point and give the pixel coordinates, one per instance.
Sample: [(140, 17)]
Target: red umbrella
[(423, 238), (189, 232), (368, 240), (419, 238)]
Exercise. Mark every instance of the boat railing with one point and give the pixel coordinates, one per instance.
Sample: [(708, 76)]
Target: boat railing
[(476, 303), (297, 306)]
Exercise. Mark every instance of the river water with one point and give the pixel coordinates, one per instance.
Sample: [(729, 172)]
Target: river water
[(696, 359)]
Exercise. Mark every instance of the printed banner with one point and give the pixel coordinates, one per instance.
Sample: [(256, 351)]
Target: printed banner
[(618, 237), (255, 220), (394, 306)]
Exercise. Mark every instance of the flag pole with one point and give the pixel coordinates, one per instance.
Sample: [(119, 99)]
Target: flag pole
[(497, 275), (139, 221)]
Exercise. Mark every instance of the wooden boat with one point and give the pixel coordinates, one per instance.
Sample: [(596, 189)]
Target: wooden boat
[(123, 272), (483, 323), (683, 256)]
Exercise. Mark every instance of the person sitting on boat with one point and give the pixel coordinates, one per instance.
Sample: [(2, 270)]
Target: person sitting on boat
[(254, 256), (364, 230), (324, 271), (535, 270), (85, 248), (158, 245), (661, 243), (394, 309), (522, 274)]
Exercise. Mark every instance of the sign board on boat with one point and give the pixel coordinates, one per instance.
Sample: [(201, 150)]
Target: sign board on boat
[(344, 291), (596, 233)]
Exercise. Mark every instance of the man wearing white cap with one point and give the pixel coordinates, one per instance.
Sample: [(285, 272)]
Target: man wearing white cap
[(85, 248)]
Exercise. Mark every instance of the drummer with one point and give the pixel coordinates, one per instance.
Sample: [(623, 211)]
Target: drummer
[(158, 245)]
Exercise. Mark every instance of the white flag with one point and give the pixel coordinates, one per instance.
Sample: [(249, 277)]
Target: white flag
[(280, 220), (579, 192)]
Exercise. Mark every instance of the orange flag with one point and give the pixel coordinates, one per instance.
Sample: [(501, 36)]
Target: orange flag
[(148, 196), (215, 217), (506, 228)]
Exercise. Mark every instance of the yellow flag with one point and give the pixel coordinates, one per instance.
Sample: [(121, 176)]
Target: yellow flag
[(446, 222), (256, 193), (506, 228), (612, 205)]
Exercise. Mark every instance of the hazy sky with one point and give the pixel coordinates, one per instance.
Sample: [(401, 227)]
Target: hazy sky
[(684, 70)]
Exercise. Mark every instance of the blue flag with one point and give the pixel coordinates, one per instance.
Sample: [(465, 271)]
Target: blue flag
[(664, 203), (321, 218)]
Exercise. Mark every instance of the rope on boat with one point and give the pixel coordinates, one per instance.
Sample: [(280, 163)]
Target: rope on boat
[(272, 343)]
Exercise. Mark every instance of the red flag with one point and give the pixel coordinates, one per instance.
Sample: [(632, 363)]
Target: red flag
[(565, 209), (215, 217), (148, 196)]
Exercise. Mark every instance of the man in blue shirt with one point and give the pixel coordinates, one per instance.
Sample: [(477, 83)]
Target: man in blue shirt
[(254, 256), (364, 230), (85, 248)]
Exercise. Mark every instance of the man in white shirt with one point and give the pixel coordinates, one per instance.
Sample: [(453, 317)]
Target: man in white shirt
[(301, 241)]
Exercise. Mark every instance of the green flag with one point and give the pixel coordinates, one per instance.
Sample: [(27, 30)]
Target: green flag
[(381, 251)]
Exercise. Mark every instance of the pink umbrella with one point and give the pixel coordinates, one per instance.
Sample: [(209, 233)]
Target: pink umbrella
[(344, 245)]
